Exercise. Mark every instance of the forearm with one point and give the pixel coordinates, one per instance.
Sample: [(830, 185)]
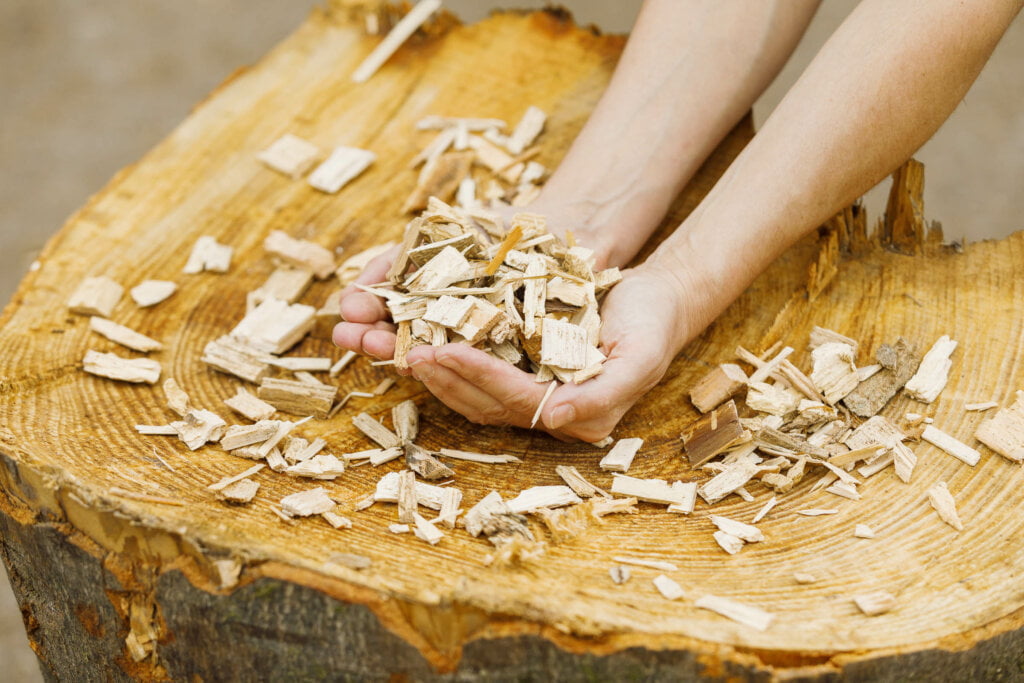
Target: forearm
[(880, 87), (690, 71)]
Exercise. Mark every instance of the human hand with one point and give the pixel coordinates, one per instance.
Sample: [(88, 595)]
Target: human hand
[(644, 326), (365, 326)]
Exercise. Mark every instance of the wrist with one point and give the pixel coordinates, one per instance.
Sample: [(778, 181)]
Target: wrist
[(696, 297)]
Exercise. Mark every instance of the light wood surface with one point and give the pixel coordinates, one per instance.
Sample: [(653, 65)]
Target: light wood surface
[(67, 438)]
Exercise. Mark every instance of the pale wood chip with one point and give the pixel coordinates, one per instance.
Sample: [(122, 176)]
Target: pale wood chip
[(748, 615), (668, 588), (933, 373), (96, 296), (112, 366)]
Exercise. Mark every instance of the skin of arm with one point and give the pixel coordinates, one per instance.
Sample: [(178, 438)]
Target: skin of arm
[(878, 90)]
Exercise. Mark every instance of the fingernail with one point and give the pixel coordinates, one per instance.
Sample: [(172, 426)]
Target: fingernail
[(421, 370), (445, 359), (561, 416)]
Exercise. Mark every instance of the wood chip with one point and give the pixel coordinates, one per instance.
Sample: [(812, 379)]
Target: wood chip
[(208, 254), (1004, 431), (574, 480), (745, 532), (227, 481), (151, 292), (422, 462), (425, 530), (337, 521), (112, 366), (620, 457), (427, 495), (286, 283), (719, 385), (543, 496), (863, 531), (306, 503), (817, 512), (933, 373), (200, 427), (96, 296), (899, 363), (543, 401), (237, 358), (375, 431), (729, 543), (942, 501), (449, 508), (303, 255), (619, 574), (156, 430), (772, 399), (339, 169), (274, 326), (527, 130), (246, 404), (958, 449), (399, 528), (177, 400), (834, 373), (650, 490), (754, 617), (298, 398), (406, 496), (804, 578), (290, 155), (668, 588), (237, 436), (401, 32), (764, 510), (820, 336), (486, 458), (343, 363), (689, 496), (239, 492), (875, 603), (712, 434), (733, 477), (660, 565)]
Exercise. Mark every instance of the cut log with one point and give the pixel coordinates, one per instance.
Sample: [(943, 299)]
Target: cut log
[(364, 604)]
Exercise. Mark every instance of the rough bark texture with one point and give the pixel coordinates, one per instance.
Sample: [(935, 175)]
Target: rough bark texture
[(83, 558)]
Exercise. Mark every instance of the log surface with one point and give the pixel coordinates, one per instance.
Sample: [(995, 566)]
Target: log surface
[(67, 438)]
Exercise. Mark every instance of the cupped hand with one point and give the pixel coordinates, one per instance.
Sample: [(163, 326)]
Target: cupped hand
[(644, 326)]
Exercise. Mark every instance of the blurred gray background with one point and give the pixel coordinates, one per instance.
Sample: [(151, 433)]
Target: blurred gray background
[(88, 87)]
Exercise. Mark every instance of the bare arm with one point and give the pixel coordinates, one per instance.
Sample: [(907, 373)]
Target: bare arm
[(690, 71), (880, 88)]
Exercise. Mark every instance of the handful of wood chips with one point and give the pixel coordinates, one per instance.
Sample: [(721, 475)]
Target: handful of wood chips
[(519, 293)]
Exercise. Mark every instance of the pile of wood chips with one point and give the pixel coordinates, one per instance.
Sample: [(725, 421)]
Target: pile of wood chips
[(521, 294)]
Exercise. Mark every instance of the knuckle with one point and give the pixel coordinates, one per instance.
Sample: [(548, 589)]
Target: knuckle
[(493, 415)]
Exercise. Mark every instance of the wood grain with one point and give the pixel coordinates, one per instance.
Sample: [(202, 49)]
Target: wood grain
[(68, 437)]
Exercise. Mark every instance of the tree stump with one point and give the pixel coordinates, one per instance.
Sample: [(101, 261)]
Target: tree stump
[(93, 568)]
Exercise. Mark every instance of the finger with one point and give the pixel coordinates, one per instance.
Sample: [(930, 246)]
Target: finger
[(380, 343), (458, 394), (592, 409), (350, 336), (516, 390), (363, 307), (377, 269)]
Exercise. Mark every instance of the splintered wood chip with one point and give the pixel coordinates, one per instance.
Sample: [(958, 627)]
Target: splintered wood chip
[(668, 588), (748, 615)]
